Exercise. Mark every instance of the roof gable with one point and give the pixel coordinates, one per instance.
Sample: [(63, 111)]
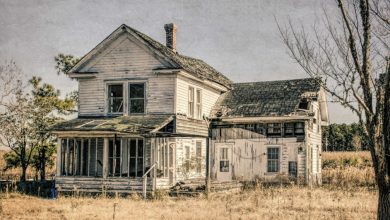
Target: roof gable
[(170, 58), (261, 99)]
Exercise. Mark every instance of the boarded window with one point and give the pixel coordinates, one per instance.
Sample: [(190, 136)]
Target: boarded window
[(289, 128), (136, 98), (199, 103), (224, 160), (191, 102), (299, 128), (115, 98), (273, 160), (292, 168), (274, 129)]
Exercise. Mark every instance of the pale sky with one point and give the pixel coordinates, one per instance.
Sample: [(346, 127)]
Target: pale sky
[(238, 38)]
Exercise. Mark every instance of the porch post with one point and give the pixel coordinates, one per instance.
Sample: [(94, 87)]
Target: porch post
[(59, 157), (105, 158)]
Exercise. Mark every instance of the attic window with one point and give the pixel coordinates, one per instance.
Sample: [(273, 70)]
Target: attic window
[(304, 104), (115, 98), (274, 129)]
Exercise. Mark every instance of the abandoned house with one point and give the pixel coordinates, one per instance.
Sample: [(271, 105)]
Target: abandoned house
[(150, 117)]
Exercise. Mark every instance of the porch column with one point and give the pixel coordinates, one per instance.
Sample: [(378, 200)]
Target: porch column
[(105, 158), (59, 157)]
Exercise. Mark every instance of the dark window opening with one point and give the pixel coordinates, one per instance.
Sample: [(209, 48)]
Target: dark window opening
[(224, 160), (303, 105), (292, 168), (299, 128), (115, 98), (137, 98)]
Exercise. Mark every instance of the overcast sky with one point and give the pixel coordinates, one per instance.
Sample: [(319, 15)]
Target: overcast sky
[(239, 38)]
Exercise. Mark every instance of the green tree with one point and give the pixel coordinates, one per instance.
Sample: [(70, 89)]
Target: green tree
[(25, 117)]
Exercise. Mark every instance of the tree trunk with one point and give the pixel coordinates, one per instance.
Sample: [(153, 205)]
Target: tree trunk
[(383, 203), (43, 164), (24, 164)]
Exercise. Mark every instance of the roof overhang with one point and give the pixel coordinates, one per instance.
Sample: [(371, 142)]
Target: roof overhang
[(263, 119)]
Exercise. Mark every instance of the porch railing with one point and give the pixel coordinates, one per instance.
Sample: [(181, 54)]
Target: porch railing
[(145, 179)]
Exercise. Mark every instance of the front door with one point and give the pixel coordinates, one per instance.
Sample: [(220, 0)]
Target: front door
[(224, 165)]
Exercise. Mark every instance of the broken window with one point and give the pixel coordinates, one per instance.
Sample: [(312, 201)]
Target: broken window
[(304, 104), (299, 128), (224, 160), (115, 98), (135, 147), (274, 129), (289, 128), (136, 98), (273, 159), (292, 168), (199, 103)]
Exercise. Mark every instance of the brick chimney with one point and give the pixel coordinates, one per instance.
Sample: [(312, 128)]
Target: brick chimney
[(170, 30)]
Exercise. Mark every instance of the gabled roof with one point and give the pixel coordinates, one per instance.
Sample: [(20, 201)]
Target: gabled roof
[(125, 124), (269, 98), (196, 67)]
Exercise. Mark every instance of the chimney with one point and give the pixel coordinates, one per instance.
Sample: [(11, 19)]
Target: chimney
[(170, 30)]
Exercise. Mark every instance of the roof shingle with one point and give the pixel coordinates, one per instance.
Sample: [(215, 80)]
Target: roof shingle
[(269, 98)]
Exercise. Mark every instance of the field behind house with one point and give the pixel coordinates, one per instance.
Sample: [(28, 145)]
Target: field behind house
[(348, 192)]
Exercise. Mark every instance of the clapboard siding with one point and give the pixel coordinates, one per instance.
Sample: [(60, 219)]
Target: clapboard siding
[(209, 96), (127, 61)]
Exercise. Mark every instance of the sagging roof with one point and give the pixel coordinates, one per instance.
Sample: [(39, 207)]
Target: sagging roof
[(195, 67), (261, 99), (125, 124)]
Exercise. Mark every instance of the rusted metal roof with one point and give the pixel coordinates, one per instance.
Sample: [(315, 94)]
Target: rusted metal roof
[(269, 98)]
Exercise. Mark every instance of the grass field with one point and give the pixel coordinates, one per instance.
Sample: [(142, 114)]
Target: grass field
[(348, 193), (272, 203)]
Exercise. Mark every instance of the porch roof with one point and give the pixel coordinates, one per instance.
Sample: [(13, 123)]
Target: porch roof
[(125, 124)]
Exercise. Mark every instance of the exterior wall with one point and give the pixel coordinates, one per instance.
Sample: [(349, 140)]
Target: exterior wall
[(314, 137), (209, 96), (249, 157), (182, 161), (125, 60)]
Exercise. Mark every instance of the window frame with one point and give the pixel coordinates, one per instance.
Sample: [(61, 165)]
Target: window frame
[(191, 102), (224, 151), (198, 103), (273, 126), (129, 99), (108, 98), (273, 159), (300, 128)]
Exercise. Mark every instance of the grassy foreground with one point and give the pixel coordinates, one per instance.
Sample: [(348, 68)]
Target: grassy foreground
[(271, 203)]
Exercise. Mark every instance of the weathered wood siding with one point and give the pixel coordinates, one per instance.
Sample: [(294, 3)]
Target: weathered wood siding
[(191, 126), (125, 60), (249, 156), (181, 158), (209, 95), (314, 140)]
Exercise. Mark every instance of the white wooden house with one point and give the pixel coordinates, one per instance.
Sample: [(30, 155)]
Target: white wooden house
[(144, 116)]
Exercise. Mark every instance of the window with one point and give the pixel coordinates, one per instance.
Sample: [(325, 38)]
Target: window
[(135, 147), (299, 128), (198, 151), (304, 105), (190, 102), (274, 129), (224, 160), (136, 98), (273, 160), (114, 157), (289, 128), (199, 103), (115, 98), (187, 158), (292, 168)]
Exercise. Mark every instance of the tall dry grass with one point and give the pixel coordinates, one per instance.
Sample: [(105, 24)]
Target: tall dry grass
[(261, 203), (348, 169)]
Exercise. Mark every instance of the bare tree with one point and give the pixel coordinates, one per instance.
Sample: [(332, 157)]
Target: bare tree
[(350, 58)]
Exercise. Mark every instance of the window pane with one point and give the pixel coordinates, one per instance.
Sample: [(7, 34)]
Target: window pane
[(133, 148), (224, 166), (137, 106), (140, 147), (115, 98), (137, 90)]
